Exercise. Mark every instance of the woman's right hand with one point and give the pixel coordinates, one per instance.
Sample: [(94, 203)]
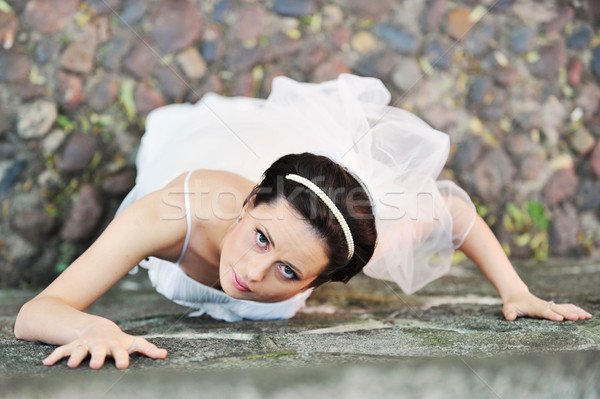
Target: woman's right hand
[(104, 339)]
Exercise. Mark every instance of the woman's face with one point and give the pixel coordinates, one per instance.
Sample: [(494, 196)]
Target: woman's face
[(270, 255)]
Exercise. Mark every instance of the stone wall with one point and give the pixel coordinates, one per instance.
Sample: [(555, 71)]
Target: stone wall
[(514, 83)]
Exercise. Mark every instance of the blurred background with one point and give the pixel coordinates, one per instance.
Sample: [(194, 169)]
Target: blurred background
[(514, 84)]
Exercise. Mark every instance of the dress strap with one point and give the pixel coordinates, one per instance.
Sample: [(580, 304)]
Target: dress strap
[(188, 214)]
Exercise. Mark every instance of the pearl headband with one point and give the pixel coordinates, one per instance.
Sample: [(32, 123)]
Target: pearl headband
[(334, 209)]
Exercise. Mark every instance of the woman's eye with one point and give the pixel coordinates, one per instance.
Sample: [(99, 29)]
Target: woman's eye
[(261, 239), (288, 272)]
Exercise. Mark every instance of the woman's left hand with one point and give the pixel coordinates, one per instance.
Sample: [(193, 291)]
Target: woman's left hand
[(527, 304)]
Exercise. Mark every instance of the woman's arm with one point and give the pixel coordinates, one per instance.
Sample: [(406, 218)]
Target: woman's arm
[(56, 315), (482, 247)]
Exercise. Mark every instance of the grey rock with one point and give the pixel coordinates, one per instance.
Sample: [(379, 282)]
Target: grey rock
[(102, 92), (408, 75), (493, 175), (47, 48), (403, 41), (53, 141), (596, 62), (373, 9), (432, 15), (28, 92), (242, 58), (495, 109), (172, 82), (133, 11), (270, 74), (580, 38), (564, 15), (176, 24), (212, 50), (295, 8), (502, 5), (33, 225), (142, 59), (69, 92), (505, 76), (438, 56), (480, 37), (278, 47), (14, 66), (147, 98), (595, 160), (340, 37), (467, 154), (222, 9), (49, 16), (311, 55), (250, 23), (115, 50), (439, 116), (330, 69), (378, 65), (9, 173), (563, 185), (564, 229), (479, 89), (119, 184), (84, 216), (212, 83), (78, 153), (34, 120), (521, 39), (588, 195), (104, 7), (79, 56), (552, 58), (243, 85)]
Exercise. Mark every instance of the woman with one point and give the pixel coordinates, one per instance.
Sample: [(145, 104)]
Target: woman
[(213, 239)]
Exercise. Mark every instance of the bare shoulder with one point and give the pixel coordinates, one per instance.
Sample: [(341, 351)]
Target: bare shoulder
[(212, 194)]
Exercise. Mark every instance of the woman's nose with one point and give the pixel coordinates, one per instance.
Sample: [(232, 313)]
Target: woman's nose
[(257, 271)]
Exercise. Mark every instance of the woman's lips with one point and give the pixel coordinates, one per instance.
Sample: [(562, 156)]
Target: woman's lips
[(237, 283)]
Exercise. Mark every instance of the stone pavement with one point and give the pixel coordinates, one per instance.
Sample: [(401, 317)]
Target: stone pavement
[(365, 339)]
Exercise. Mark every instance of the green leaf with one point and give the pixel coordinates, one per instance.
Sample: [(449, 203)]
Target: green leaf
[(5, 7), (538, 215), (126, 98)]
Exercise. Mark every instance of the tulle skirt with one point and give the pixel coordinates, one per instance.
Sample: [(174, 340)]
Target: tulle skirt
[(396, 155)]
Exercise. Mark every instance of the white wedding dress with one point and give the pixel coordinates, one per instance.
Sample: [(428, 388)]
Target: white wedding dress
[(396, 155)]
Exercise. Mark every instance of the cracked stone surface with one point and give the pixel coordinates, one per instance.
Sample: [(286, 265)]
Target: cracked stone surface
[(365, 338)]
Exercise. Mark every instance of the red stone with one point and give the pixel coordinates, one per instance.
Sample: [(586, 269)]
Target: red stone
[(175, 25), (70, 90), (574, 72), (49, 16)]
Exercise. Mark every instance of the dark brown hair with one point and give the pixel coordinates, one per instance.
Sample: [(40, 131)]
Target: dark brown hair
[(346, 192)]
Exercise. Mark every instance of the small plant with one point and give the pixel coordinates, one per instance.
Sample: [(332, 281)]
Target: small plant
[(529, 223)]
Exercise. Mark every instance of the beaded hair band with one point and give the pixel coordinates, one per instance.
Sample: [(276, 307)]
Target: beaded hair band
[(334, 209)]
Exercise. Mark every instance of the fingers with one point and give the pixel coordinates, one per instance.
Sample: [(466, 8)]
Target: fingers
[(146, 348), (98, 353), (55, 356), (570, 312), (510, 313), (78, 353), (121, 357), (549, 313)]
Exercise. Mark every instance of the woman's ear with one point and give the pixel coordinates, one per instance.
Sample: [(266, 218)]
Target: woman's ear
[(248, 206)]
